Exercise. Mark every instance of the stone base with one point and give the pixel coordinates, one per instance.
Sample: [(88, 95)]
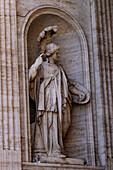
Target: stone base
[(47, 166), (10, 159), (58, 160)]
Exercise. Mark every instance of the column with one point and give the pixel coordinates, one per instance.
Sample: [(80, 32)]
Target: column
[(10, 148)]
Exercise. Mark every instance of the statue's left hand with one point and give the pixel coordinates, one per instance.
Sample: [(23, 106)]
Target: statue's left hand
[(79, 93), (82, 97)]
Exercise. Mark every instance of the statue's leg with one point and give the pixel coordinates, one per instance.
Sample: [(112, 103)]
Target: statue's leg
[(45, 130), (56, 147), (50, 132)]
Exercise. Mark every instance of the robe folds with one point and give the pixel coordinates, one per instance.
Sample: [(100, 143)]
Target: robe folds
[(54, 97)]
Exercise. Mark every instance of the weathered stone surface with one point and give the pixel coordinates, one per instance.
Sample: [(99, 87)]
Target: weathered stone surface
[(10, 159), (103, 89), (56, 160), (88, 133), (55, 97), (72, 54), (43, 166), (10, 145), (91, 132)]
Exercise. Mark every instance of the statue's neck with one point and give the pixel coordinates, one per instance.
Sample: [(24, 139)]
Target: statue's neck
[(51, 61)]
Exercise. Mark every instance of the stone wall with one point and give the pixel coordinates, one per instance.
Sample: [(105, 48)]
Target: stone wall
[(74, 51), (90, 134), (101, 15), (85, 38)]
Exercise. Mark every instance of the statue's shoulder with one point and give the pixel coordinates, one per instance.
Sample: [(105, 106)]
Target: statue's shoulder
[(44, 64)]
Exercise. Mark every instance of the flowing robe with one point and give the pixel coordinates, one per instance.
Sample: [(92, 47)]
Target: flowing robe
[(54, 106)]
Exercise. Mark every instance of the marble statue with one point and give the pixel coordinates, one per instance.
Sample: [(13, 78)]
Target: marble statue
[(56, 94)]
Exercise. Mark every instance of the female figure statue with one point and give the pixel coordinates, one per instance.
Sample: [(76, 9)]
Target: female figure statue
[(54, 99)]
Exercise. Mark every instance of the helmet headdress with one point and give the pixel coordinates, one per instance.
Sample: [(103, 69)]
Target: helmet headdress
[(44, 40)]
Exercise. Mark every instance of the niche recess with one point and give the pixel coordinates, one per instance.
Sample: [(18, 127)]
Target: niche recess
[(74, 60)]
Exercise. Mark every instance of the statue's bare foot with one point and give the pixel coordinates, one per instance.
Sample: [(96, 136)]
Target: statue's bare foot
[(61, 156), (57, 153)]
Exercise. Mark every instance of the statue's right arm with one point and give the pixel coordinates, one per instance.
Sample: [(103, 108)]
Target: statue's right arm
[(34, 67)]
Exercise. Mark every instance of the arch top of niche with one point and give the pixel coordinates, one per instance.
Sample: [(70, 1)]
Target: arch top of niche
[(53, 10), (41, 10)]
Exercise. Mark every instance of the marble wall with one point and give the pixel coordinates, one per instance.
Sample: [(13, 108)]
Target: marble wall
[(85, 38), (74, 51), (101, 15), (90, 134)]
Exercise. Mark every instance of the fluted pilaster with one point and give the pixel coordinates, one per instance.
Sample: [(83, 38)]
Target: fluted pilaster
[(103, 79), (9, 91)]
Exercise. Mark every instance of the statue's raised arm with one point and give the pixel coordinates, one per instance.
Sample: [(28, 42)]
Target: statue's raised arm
[(33, 69)]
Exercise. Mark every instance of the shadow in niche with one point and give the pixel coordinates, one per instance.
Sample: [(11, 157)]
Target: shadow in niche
[(32, 110), (74, 142)]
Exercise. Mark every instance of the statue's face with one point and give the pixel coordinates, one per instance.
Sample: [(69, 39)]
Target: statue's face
[(55, 55)]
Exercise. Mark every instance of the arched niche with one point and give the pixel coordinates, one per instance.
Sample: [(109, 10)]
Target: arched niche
[(74, 60)]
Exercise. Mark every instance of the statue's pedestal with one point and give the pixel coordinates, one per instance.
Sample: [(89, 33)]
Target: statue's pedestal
[(58, 160), (59, 166), (56, 163)]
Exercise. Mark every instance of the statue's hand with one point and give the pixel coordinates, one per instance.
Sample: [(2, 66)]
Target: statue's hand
[(79, 93), (39, 60), (82, 97)]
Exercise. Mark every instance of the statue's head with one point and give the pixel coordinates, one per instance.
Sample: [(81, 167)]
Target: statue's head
[(51, 48)]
